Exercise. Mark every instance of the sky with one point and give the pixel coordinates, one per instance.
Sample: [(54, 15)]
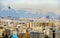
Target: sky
[(33, 7)]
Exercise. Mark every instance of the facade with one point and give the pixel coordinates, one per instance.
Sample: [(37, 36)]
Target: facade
[(36, 24)]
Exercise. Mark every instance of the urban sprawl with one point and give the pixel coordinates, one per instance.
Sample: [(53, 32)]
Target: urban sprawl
[(30, 25)]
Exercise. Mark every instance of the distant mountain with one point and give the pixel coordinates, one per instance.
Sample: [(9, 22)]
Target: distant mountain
[(1, 6), (22, 13), (19, 13), (51, 15)]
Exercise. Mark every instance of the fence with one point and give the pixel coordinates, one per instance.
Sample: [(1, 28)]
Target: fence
[(57, 34), (36, 35)]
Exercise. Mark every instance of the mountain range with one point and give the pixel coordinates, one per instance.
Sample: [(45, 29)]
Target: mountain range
[(22, 13)]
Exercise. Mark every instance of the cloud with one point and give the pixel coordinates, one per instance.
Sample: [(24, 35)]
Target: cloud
[(34, 6)]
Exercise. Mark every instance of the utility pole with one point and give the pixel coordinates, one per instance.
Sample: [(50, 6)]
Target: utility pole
[(53, 30), (53, 33)]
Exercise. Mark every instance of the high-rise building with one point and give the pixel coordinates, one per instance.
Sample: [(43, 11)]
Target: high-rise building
[(47, 17)]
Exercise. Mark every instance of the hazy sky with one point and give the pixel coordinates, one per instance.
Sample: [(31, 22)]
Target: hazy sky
[(42, 6)]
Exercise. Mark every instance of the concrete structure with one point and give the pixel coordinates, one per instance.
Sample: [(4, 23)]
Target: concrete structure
[(36, 35)]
